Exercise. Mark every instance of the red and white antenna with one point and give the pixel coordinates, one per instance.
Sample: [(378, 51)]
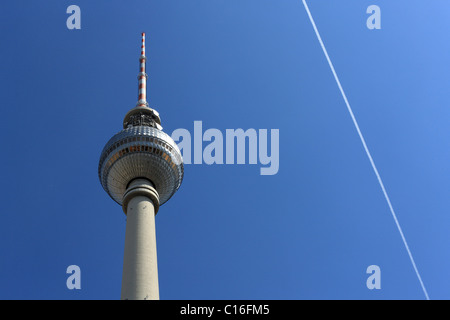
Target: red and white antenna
[(142, 114), (142, 94)]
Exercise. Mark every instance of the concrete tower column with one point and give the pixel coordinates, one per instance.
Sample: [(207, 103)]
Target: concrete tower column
[(140, 270)]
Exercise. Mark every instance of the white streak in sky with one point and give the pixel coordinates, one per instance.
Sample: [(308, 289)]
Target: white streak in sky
[(366, 149)]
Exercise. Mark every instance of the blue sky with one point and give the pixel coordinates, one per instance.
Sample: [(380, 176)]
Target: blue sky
[(308, 232)]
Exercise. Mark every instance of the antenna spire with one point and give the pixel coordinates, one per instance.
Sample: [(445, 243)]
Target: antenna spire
[(142, 76), (142, 114)]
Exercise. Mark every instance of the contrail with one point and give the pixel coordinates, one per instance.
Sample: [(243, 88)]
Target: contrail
[(367, 149)]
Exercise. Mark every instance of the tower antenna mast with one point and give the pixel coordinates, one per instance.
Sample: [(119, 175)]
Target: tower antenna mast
[(142, 94)]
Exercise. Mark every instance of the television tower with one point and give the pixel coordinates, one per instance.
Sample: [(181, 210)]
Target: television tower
[(141, 168)]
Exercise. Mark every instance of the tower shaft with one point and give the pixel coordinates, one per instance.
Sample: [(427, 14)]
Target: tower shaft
[(140, 270)]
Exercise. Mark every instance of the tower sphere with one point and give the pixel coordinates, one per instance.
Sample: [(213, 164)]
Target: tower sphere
[(141, 150)]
